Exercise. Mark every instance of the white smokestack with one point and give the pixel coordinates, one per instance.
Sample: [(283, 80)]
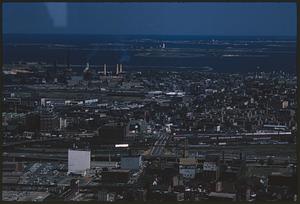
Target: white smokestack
[(121, 67), (117, 72), (104, 70)]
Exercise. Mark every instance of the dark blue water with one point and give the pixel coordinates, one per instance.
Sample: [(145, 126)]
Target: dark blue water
[(267, 53)]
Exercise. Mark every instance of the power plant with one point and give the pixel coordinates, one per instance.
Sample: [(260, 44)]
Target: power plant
[(88, 72), (105, 72)]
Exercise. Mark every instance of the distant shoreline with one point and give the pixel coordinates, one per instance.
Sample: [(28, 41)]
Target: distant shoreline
[(232, 54), (162, 37)]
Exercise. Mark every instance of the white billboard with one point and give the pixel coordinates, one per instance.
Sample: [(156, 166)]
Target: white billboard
[(121, 145), (78, 161)]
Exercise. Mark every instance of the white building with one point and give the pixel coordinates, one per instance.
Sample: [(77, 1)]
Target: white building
[(285, 104), (79, 161), (62, 123), (209, 166)]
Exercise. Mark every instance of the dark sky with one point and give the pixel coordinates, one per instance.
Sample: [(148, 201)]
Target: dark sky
[(261, 19)]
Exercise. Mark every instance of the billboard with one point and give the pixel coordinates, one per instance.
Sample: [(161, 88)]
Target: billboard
[(78, 161)]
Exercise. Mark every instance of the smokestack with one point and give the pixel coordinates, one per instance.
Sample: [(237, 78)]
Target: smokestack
[(121, 67), (104, 69), (117, 72)]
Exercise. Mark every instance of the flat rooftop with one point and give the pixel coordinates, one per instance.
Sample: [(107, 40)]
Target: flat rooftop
[(24, 195)]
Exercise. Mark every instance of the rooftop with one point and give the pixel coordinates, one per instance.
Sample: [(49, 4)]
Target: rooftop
[(187, 161)]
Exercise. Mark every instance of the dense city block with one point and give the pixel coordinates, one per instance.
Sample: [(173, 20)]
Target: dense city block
[(107, 132)]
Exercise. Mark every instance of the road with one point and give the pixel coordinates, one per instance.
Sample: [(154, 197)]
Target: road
[(159, 145)]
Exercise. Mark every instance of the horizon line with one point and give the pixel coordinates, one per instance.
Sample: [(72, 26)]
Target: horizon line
[(193, 35)]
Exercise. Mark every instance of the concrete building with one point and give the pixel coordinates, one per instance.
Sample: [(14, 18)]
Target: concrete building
[(188, 167), (131, 162)]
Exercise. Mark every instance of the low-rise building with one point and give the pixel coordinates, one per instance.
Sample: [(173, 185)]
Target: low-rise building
[(188, 167)]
